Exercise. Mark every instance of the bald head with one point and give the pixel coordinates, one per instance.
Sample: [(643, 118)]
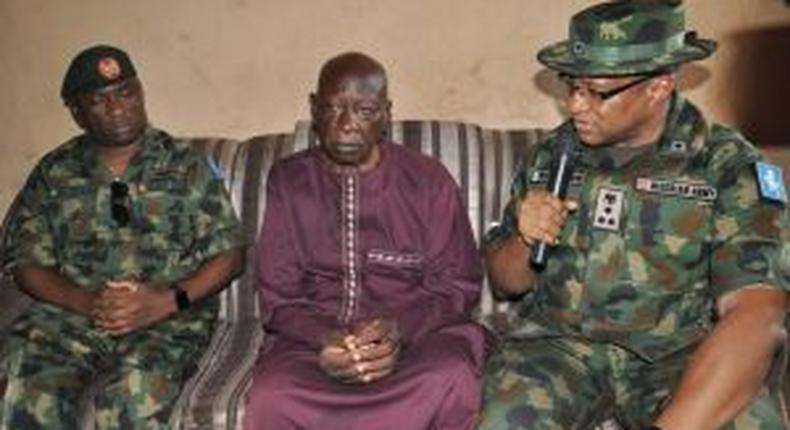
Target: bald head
[(353, 68), (350, 110)]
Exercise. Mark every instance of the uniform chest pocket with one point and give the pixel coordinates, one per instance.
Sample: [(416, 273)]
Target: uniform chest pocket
[(167, 181), (166, 212), (73, 207), (405, 266), (670, 227), (72, 212)]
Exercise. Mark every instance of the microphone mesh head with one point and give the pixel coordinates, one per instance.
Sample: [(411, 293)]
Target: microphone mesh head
[(566, 138)]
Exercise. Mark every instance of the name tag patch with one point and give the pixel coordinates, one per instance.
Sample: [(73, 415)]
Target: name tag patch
[(668, 187), (772, 182)]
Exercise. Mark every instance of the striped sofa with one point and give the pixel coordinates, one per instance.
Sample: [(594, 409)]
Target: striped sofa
[(481, 160)]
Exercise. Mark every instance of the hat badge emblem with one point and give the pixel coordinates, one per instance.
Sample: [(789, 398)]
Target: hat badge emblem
[(109, 68), (578, 48), (612, 30)]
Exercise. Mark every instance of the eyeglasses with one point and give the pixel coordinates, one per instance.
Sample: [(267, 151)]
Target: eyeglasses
[(119, 202), (602, 96)]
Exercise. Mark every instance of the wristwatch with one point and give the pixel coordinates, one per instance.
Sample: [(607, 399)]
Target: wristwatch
[(182, 299)]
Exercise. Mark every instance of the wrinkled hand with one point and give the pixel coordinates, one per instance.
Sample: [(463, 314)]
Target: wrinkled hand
[(541, 217), (126, 306), (335, 358), (375, 347), (366, 354)]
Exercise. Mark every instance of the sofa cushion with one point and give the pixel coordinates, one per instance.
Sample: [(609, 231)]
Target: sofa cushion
[(481, 161), (210, 397)]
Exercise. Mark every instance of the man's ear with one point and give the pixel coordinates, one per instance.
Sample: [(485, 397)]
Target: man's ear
[(388, 110), (661, 88), (76, 113), (313, 99), (313, 105), (385, 131)]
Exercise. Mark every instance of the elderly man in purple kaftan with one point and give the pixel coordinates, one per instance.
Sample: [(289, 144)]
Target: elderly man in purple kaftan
[(368, 275)]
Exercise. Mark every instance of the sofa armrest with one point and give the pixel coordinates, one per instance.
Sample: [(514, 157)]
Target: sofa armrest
[(214, 397), (480, 160)]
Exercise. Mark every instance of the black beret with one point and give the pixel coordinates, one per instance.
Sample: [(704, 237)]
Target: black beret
[(94, 68)]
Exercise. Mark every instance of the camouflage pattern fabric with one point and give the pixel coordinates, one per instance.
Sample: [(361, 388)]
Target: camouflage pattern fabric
[(53, 357), (572, 383), (180, 215), (626, 38), (658, 237)]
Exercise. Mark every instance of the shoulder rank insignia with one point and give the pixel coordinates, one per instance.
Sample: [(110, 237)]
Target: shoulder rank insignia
[(772, 182), (541, 176), (609, 207)]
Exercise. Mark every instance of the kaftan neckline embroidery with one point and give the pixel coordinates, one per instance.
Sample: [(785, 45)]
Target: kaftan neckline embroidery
[(349, 231)]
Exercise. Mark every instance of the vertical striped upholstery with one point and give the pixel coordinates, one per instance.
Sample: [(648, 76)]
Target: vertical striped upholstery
[(210, 398), (480, 160)]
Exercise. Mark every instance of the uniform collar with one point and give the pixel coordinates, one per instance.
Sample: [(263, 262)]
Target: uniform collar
[(683, 136), (156, 144), (684, 132)]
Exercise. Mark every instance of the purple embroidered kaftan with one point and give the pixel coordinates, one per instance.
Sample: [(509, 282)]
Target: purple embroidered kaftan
[(337, 249)]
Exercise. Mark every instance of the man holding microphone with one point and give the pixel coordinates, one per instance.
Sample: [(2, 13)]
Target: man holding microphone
[(659, 301)]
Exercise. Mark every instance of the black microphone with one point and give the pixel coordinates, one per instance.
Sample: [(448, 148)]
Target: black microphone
[(565, 147)]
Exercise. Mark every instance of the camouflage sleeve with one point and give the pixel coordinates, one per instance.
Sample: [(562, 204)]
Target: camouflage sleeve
[(748, 231), (218, 227), (508, 226), (28, 236), (783, 256)]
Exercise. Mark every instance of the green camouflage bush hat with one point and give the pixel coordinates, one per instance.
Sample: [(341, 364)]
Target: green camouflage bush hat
[(94, 68), (628, 37)]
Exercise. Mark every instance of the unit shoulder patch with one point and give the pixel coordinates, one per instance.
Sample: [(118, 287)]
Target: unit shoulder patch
[(771, 182)]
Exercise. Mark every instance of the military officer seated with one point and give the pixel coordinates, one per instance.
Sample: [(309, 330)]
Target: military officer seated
[(122, 235)]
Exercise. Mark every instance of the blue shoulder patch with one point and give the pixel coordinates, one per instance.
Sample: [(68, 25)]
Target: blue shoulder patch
[(772, 182), (216, 170)]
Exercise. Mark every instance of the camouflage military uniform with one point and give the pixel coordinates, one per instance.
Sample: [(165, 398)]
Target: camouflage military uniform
[(630, 291), (180, 216)]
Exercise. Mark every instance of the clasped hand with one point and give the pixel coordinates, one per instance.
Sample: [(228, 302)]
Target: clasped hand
[(365, 354), (126, 306)]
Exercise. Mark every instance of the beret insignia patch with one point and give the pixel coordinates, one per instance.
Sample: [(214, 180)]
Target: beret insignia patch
[(108, 68)]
